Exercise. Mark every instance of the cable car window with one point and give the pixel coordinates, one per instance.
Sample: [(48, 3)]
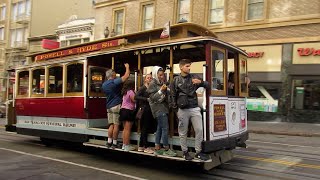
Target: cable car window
[(38, 81), (243, 75), (74, 77), (55, 79), (23, 83), (217, 70), (97, 77)]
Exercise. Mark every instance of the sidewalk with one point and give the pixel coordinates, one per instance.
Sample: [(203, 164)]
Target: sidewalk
[(284, 128)]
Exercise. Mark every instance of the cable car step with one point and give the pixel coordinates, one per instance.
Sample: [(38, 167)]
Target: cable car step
[(177, 158)]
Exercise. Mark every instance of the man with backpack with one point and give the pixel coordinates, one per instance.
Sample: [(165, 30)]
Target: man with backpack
[(184, 97)]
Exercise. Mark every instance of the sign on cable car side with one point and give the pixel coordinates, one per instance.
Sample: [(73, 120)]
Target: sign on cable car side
[(80, 50), (218, 117)]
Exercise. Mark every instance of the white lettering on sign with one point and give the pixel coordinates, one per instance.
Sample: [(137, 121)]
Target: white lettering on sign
[(56, 124)]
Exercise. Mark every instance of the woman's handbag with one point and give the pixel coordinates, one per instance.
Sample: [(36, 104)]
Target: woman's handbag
[(139, 113)]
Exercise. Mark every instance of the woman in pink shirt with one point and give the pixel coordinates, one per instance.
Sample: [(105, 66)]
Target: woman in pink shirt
[(127, 113)]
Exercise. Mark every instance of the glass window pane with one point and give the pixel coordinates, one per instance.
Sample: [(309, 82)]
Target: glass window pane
[(55, 79), (63, 43), (3, 13), (38, 81), (118, 29), (255, 1), (216, 16), (74, 77), (216, 11), (147, 24), (147, 17), (306, 94), (12, 37), (21, 8), (119, 17), (231, 77), (97, 78), (148, 11), (217, 70), (28, 7), (243, 75), (23, 84), (75, 41), (14, 12), (118, 21), (184, 9), (86, 39), (1, 34), (217, 4), (255, 11)]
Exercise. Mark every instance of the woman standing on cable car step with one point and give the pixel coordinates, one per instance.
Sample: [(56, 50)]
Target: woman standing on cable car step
[(147, 122), (127, 113)]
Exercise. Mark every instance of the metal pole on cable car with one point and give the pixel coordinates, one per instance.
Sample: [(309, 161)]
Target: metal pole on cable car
[(135, 80), (204, 104)]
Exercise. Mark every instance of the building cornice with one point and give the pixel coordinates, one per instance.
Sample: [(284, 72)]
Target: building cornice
[(48, 36), (278, 41), (75, 29), (110, 2), (270, 24)]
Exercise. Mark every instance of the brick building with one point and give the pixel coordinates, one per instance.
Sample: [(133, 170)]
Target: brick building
[(282, 38)]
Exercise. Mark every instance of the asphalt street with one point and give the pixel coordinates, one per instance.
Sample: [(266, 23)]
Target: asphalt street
[(267, 157)]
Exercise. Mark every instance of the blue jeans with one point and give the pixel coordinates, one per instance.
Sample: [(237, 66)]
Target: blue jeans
[(162, 129)]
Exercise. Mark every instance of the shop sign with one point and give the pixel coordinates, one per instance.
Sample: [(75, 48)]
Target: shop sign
[(255, 54), (50, 44), (79, 50), (308, 52)]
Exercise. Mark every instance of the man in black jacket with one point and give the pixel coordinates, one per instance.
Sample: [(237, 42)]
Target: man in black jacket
[(185, 98)]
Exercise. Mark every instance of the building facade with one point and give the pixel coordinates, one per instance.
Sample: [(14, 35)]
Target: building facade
[(282, 39), (23, 25)]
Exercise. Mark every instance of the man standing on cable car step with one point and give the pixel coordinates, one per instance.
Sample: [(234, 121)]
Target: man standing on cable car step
[(184, 97), (112, 88)]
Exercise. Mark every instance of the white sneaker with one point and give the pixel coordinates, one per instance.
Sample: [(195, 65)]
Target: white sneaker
[(129, 148), (148, 150), (141, 149)]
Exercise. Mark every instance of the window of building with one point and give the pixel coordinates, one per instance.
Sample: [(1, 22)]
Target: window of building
[(216, 11), (28, 7), (74, 41), (3, 13), (38, 81), (118, 21), (63, 43), (21, 10), (1, 33), (55, 80), (71, 42), (23, 83), (147, 17), (306, 94), (74, 77), (86, 40), (183, 10), (255, 9), (18, 37)]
